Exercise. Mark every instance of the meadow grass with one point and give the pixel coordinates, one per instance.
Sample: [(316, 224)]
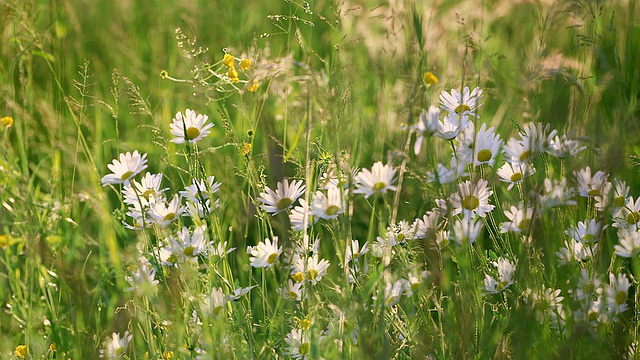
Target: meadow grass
[(380, 248)]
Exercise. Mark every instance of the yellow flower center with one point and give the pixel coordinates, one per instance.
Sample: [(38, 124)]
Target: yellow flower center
[(189, 251), (126, 175), (305, 323), (272, 258), (415, 286), (588, 238), (304, 348), (524, 224), (525, 155), (633, 218), (119, 351), (618, 201), (284, 203), (148, 193), (379, 186), (470, 202), (462, 108), (484, 155), (297, 277), (516, 177), (192, 133), (593, 192), (391, 300), (293, 295), (331, 210), (621, 297), (312, 274), (169, 217), (217, 310)]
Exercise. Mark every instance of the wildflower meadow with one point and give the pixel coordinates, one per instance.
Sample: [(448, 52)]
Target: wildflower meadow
[(330, 179)]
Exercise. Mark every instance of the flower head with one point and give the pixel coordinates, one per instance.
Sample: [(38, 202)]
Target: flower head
[(283, 198), (378, 180), (472, 198), (265, 253), (125, 169), (189, 127), (115, 346)]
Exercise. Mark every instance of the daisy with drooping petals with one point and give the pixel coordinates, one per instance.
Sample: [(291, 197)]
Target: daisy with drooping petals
[(164, 214), (613, 196), (144, 191), (590, 186), (628, 243), (487, 146), (520, 219), (115, 347), (563, 147), (265, 253), (586, 232), (427, 125), (472, 198), (200, 190), (189, 246), (302, 217), (378, 180), (124, 170), (189, 127), (628, 216), (514, 172), (506, 269), (283, 198), (461, 105), (467, 229)]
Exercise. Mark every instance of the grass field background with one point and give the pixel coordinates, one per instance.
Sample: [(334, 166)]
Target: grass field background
[(340, 83)]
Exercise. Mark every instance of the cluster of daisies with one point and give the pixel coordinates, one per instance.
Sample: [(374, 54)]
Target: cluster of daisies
[(463, 213)]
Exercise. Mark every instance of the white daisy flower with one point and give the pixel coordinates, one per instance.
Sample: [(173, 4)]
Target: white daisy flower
[(189, 127), (115, 347), (450, 127), (298, 344), (534, 140), (563, 147), (427, 125), (628, 243), (590, 186), (328, 206), (312, 269), (283, 198), (354, 251), (505, 270), (617, 293), (461, 105), (164, 214), (588, 287), (455, 171), (487, 146), (556, 193), (628, 216), (393, 292), (472, 198), (220, 251), (514, 172), (575, 251), (586, 232), (125, 169), (200, 190), (239, 293), (520, 219), (292, 290), (613, 196), (466, 230), (145, 191), (442, 240), (265, 253), (298, 214), (189, 246), (213, 305), (378, 180), (426, 227), (142, 281)]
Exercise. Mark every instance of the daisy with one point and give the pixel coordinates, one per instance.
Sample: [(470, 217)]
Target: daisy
[(442, 240), (573, 251), (200, 190), (467, 229), (426, 227), (393, 292), (215, 302), (354, 251), (533, 140), (588, 287), (144, 191), (312, 269), (472, 198), (563, 147), (617, 293), (487, 146), (220, 251), (556, 193), (505, 269), (444, 175), (328, 206), (514, 172), (613, 195), (590, 186), (265, 253), (628, 216), (292, 290), (298, 343), (450, 127), (142, 281), (189, 127), (116, 346), (298, 215), (461, 105), (427, 125), (189, 246), (129, 166), (628, 243), (239, 293), (586, 232), (378, 180), (164, 214), (520, 219), (283, 198)]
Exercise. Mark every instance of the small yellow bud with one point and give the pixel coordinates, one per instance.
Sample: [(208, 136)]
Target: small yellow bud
[(7, 121), (430, 79), (164, 74), (233, 74), (168, 355), (253, 85), (305, 324), (53, 347), (245, 149), (22, 351), (245, 64), (228, 60)]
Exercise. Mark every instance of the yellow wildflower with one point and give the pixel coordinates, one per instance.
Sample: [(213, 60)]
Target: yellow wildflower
[(53, 347), (430, 78), (7, 121), (253, 86), (245, 149), (228, 60), (245, 64), (168, 355), (233, 74), (22, 351), (305, 324)]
